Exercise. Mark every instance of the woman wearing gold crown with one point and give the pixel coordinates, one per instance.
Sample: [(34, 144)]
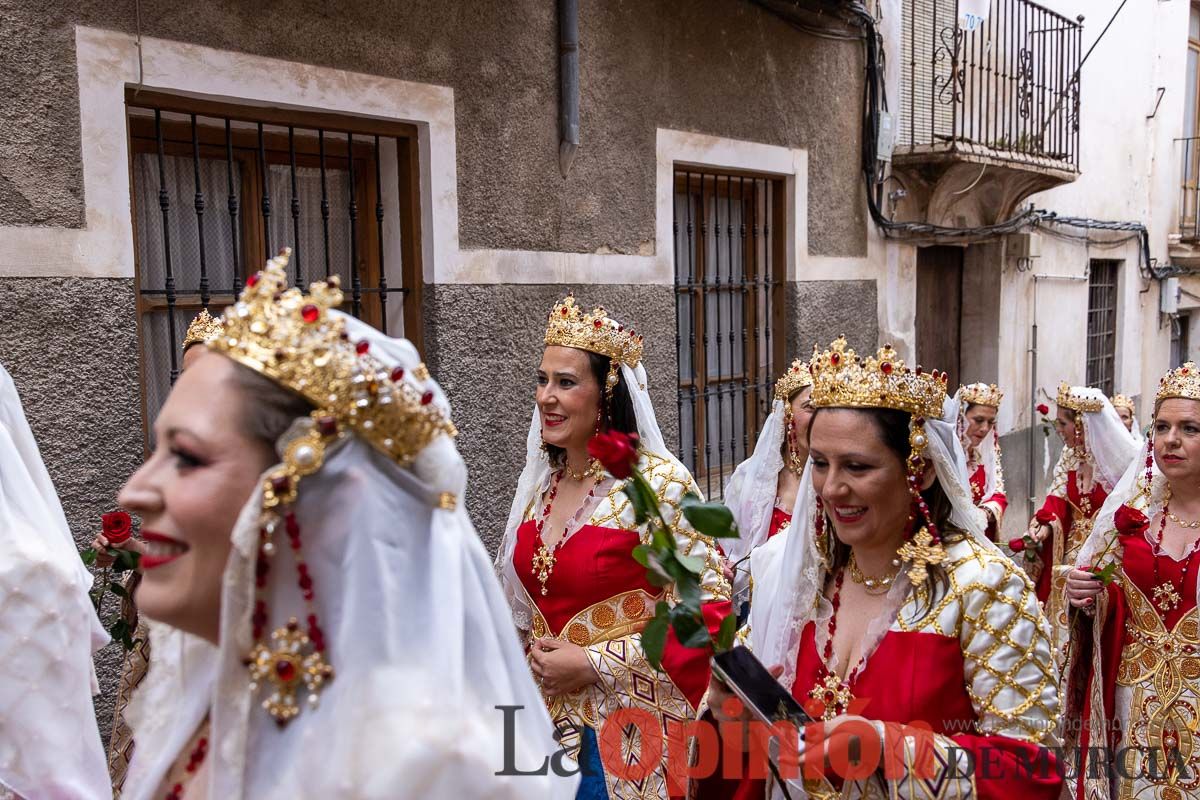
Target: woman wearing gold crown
[(1127, 411), (888, 606), (762, 490), (976, 407), (577, 594), (1097, 451), (323, 615), (1133, 679), (120, 745)]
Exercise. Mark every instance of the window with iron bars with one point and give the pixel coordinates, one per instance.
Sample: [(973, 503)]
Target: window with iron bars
[(219, 188), (1102, 324), (729, 267)]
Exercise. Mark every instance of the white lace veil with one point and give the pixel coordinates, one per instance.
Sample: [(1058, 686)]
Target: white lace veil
[(789, 572), (1109, 446), (423, 648), (536, 475), (986, 451), (750, 492), (49, 741)]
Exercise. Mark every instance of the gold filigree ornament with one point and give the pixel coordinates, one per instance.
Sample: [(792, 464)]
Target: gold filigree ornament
[(921, 552), (286, 666), (202, 329), (293, 339), (1183, 382), (982, 394), (796, 378), (843, 380), (1123, 401), (833, 695), (570, 326)]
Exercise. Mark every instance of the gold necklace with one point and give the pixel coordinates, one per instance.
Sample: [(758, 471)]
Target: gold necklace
[(594, 467), (872, 584), (1182, 523)]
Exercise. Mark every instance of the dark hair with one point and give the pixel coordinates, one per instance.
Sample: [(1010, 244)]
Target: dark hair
[(270, 408), (893, 428), (620, 417)]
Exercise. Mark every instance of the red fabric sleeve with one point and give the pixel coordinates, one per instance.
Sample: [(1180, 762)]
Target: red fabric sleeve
[(1007, 768), (688, 667)]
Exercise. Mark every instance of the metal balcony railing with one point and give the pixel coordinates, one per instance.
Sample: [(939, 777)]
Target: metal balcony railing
[(1189, 181), (1006, 86)]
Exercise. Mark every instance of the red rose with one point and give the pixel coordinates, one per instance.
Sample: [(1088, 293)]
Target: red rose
[(1130, 520), (1043, 409), (1016, 545), (118, 527), (616, 451)]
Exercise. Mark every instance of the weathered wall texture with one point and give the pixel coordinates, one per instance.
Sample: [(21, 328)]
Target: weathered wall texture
[(71, 346), (721, 67), (819, 311), (484, 344), (1015, 448)]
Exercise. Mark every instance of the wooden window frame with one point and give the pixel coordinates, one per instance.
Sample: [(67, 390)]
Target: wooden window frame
[(177, 141)]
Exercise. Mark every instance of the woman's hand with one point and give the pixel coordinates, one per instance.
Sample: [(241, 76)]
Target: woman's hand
[(720, 697), (101, 546), (1082, 588), (1038, 531), (728, 569), (561, 667)]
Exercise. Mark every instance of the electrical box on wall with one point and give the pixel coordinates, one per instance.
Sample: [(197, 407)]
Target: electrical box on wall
[(1169, 295), (1023, 246)]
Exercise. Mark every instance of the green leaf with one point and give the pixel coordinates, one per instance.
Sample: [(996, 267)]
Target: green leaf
[(641, 497), (88, 556), (654, 638), (119, 629), (117, 589), (641, 554), (689, 627), (661, 540), (126, 560), (693, 564), (727, 633), (656, 573), (711, 519)]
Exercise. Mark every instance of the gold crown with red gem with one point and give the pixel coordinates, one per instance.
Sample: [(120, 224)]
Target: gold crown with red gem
[(1071, 397), (1183, 382), (841, 379), (795, 379), (202, 329), (570, 326), (1123, 401), (982, 394), (292, 338)]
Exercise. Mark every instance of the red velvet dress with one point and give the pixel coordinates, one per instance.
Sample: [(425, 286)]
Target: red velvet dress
[(1142, 686), (597, 597)]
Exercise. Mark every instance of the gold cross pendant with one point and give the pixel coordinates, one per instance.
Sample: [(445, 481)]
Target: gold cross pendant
[(285, 667), (543, 565), (833, 694), (921, 551), (1165, 596)]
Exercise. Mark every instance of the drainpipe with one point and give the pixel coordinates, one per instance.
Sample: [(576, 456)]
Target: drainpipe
[(568, 83)]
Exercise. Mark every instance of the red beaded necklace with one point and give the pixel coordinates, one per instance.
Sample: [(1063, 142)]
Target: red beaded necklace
[(1165, 595), (832, 692), (544, 558), (195, 759)]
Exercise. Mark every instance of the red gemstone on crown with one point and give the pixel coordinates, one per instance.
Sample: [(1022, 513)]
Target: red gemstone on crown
[(598, 323), (310, 313), (280, 484), (398, 374), (286, 670), (327, 426), (252, 281), (362, 347), (427, 398), (835, 359), (1183, 371), (886, 368), (564, 311)]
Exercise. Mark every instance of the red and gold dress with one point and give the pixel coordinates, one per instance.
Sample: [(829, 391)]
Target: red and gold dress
[(1069, 510), (597, 597), (781, 520), (996, 502), (1141, 684), (976, 668)]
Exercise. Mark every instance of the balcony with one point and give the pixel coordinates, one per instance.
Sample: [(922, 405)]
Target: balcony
[(1185, 246), (990, 109)]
